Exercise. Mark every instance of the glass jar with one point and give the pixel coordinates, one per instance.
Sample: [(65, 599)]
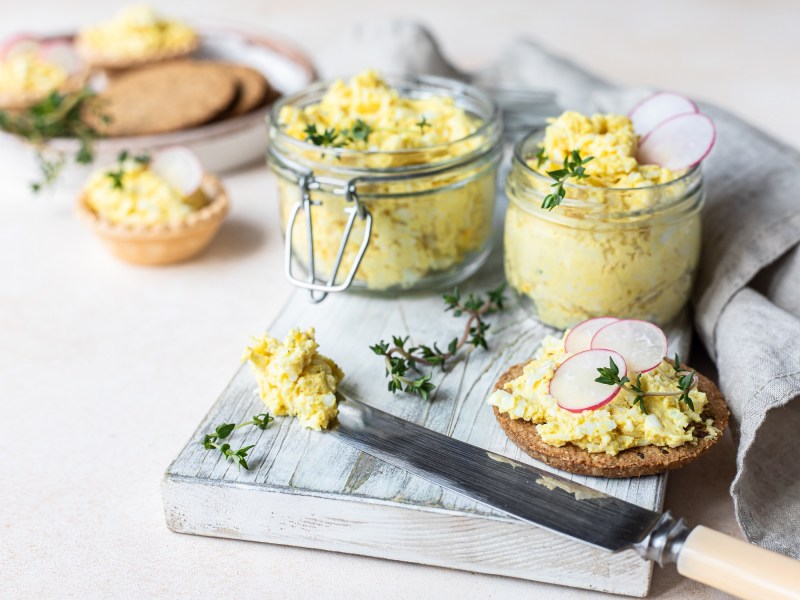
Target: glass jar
[(387, 221), (593, 255)]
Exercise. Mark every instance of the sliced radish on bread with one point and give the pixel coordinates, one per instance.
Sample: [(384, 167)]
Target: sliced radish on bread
[(179, 167), (678, 143), (658, 108), (62, 54), (580, 337), (574, 386), (642, 344)]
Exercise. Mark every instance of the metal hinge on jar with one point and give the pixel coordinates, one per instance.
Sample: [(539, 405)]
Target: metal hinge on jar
[(319, 288)]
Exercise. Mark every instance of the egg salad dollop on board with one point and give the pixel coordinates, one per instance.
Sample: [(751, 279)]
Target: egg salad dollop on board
[(616, 426), (28, 74), (129, 193), (294, 379), (614, 253), (422, 225), (136, 31)]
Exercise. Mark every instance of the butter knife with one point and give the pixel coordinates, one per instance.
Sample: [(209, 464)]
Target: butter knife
[(560, 505)]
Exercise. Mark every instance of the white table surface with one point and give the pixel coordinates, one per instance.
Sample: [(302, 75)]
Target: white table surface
[(106, 369)]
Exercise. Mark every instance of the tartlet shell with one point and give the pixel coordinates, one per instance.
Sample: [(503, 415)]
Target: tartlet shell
[(162, 244), (633, 462)]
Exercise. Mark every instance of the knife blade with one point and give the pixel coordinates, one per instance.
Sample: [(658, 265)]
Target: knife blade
[(554, 502)]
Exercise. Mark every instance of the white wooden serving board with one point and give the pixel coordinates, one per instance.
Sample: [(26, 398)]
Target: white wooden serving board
[(307, 489)]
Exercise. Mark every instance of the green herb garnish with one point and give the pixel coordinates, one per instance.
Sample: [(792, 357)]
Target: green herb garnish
[(686, 383), (211, 440), (399, 360), (422, 124), (573, 167), (57, 116), (541, 156)]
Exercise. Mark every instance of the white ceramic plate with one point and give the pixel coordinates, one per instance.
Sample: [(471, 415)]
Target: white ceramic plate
[(221, 146)]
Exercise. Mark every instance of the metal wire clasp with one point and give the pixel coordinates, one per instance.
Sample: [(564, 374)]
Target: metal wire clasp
[(319, 288)]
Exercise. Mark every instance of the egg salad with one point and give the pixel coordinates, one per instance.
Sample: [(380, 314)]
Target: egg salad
[(624, 242), (27, 74), (137, 32), (129, 193), (294, 379), (422, 225), (614, 427)]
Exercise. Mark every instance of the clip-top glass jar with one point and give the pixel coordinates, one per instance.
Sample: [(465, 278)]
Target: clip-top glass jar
[(592, 255), (387, 221)]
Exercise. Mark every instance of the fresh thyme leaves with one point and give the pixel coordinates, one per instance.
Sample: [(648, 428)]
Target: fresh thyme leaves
[(329, 137), (358, 132), (117, 176), (422, 124), (57, 116), (573, 167), (541, 156), (399, 360), (686, 383), (211, 441)]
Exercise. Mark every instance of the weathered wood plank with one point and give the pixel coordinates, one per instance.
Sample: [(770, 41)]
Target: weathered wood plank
[(308, 489)]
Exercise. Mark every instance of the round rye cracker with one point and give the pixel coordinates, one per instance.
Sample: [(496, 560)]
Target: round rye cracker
[(633, 462), (162, 98), (254, 88)]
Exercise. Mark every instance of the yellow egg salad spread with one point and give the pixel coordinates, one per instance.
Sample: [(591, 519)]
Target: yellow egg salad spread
[(137, 32), (426, 220), (27, 74), (129, 193), (614, 427), (625, 239), (294, 379)]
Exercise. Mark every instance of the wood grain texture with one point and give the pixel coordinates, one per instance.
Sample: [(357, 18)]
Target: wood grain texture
[(308, 489)]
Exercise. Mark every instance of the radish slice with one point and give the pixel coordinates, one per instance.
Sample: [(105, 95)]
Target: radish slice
[(22, 43), (580, 337), (678, 143), (657, 108), (641, 343), (62, 54), (179, 167), (574, 386)]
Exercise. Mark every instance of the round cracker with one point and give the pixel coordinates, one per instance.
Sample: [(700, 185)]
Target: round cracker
[(253, 87), (633, 462), (161, 98)]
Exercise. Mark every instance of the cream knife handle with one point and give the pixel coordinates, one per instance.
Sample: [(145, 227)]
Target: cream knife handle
[(739, 568)]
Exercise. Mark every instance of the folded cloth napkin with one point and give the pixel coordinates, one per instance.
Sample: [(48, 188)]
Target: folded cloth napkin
[(747, 296)]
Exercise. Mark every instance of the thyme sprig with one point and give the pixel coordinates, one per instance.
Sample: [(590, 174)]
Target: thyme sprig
[(687, 382), (573, 168), (422, 124), (117, 175), (399, 359), (331, 137), (57, 116), (221, 432)]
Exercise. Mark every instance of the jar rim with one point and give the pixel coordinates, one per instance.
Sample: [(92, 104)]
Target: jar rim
[(449, 87), (519, 157)]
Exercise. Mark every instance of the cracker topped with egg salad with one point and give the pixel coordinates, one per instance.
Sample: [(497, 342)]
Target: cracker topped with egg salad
[(604, 400), (136, 35)]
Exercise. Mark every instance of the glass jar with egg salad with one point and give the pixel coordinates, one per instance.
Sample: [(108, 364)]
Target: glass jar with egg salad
[(385, 184), (625, 239)]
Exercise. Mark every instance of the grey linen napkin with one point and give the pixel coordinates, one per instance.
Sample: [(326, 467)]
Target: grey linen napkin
[(747, 295)]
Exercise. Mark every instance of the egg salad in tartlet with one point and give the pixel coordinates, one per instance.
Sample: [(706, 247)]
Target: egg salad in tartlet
[(31, 70), (294, 379), (135, 36), (609, 404), (155, 209)]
